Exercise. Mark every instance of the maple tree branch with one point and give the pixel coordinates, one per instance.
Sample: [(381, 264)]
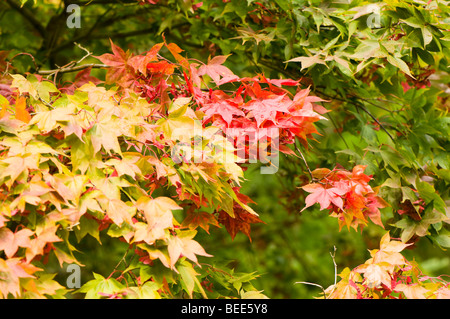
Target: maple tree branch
[(375, 119), (73, 68)]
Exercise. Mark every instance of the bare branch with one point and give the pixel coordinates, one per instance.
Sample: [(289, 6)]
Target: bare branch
[(335, 269), (374, 118)]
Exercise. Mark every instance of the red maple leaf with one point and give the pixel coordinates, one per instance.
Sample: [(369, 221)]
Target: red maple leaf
[(323, 196), (140, 62), (225, 108), (219, 73), (119, 71), (267, 109)]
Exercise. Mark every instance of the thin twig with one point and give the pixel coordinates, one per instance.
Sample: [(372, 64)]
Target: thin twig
[(88, 53), (335, 277), (374, 118), (121, 260), (312, 284), (21, 53), (306, 163), (335, 269)]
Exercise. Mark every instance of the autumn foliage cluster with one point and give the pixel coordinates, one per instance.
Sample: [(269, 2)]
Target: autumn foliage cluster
[(83, 158), (348, 196), (387, 274), (149, 150)]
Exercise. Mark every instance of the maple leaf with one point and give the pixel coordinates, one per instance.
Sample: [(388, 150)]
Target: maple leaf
[(140, 62), (203, 219), (11, 271), (248, 33), (105, 134), (346, 288), (44, 234), (323, 196), (154, 253), (389, 251), (373, 204), (119, 70), (10, 242), (119, 211), (443, 293), (73, 127), (391, 246), (307, 61), (176, 50), (219, 73), (148, 233), (42, 286), (23, 85), (412, 291), (47, 121), (17, 165), (264, 109), (282, 82), (227, 109), (125, 166), (184, 245), (21, 111), (375, 275), (158, 211), (239, 223)]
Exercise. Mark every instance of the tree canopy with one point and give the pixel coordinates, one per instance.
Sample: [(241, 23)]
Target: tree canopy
[(178, 148)]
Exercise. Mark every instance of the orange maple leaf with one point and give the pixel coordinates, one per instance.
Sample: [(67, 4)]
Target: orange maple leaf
[(10, 242)]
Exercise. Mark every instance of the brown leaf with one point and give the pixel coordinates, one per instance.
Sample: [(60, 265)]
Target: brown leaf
[(202, 219), (241, 222)]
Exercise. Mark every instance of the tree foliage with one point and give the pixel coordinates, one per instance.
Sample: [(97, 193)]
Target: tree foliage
[(141, 127)]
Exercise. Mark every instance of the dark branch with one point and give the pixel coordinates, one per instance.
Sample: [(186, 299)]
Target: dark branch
[(358, 105)]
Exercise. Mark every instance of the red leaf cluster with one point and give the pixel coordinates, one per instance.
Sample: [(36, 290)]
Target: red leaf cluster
[(260, 109), (347, 195)]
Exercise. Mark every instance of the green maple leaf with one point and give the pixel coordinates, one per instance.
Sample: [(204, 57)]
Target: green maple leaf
[(100, 285), (420, 228)]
